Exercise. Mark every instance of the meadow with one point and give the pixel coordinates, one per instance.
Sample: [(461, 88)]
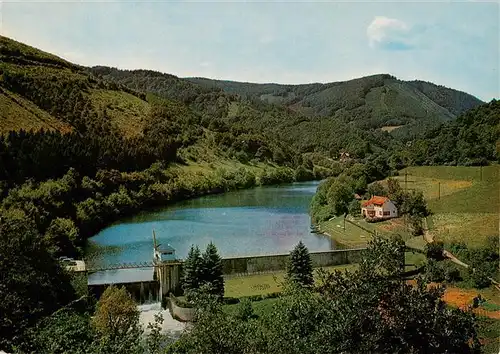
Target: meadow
[(464, 201)]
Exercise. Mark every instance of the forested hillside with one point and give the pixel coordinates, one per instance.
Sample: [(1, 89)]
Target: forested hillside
[(105, 118), (83, 122), (370, 102), (222, 112), (472, 139), (311, 117)]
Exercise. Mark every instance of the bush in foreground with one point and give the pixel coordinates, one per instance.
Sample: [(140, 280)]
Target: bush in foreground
[(368, 310)]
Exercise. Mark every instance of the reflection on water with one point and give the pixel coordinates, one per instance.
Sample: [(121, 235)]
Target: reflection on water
[(121, 276), (265, 220)]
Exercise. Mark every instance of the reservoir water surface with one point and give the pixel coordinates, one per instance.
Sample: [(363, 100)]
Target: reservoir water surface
[(258, 221)]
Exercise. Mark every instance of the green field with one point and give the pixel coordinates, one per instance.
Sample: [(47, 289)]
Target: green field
[(468, 206), (351, 237), (260, 284), (465, 203), (358, 232)]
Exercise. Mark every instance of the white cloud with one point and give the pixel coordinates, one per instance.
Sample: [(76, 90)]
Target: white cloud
[(389, 33)]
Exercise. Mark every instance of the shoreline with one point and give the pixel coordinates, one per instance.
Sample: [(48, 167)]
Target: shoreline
[(91, 249), (338, 243)]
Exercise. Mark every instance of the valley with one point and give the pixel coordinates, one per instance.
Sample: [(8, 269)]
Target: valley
[(93, 158)]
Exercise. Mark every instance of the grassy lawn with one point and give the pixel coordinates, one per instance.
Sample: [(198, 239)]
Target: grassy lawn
[(355, 236), (414, 260), (351, 237), (416, 242), (260, 284)]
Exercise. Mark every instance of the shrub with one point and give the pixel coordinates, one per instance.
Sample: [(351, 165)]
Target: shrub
[(303, 174), (434, 272), (451, 272), (434, 250), (354, 208), (478, 278), (180, 302), (244, 310)]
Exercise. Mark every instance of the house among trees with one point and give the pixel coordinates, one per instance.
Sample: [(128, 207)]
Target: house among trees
[(344, 156), (379, 208)]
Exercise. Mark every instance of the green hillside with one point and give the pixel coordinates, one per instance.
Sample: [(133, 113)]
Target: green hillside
[(371, 102), (41, 91), (135, 109), (472, 139), (311, 117), (64, 115), (19, 113)]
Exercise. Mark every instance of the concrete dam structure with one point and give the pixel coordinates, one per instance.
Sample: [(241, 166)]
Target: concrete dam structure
[(155, 280)]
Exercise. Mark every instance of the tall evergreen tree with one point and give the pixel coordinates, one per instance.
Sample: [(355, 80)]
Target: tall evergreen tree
[(212, 271), (191, 279), (299, 267)]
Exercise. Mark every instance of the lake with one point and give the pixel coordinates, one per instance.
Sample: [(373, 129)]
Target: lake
[(258, 221)]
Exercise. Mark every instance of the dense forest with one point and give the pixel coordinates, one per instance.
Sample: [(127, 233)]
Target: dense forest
[(81, 147)]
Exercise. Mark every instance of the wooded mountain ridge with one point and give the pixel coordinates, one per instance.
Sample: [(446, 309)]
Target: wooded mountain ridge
[(270, 122), (369, 102)]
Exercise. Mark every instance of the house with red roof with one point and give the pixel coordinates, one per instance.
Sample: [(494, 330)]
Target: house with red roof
[(379, 208)]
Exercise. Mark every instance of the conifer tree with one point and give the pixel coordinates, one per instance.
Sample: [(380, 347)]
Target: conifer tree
[(212, 271), (191, 279), (299, 267)]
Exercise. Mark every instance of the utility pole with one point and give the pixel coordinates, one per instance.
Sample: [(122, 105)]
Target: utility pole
[(406, 181), (439, 190), (481, 173)]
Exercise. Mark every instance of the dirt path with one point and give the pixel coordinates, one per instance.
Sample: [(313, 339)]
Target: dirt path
[(429, 238), (454, 259)]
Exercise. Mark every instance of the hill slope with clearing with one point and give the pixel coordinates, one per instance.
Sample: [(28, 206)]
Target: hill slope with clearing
[(370, 102)]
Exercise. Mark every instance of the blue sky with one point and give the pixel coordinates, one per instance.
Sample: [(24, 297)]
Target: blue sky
[(455, 44)]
